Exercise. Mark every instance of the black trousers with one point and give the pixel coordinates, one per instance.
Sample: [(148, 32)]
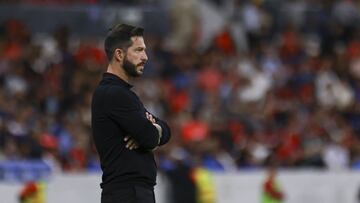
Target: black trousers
[(131, 194)]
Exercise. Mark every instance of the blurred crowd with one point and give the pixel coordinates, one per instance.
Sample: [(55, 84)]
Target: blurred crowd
[(72, 2), (276, 84)]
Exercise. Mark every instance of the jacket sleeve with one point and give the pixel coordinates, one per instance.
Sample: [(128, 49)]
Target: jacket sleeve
[(124, 110)]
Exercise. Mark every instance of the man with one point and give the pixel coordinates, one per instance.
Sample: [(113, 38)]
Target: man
[(271, 191), (32, 192), (124, 132)]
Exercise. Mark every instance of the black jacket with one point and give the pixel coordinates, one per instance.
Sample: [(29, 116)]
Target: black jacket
[(118, 112)]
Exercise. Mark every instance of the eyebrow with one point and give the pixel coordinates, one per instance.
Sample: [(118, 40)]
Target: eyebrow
[(140, 47)]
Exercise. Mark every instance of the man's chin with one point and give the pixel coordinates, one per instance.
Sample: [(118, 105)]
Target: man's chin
[(137, 74), (140, 71)]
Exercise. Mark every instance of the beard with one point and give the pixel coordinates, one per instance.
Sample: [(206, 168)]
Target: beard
[(130, 68)]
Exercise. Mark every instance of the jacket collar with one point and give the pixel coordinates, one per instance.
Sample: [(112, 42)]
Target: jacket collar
[(116, 79)]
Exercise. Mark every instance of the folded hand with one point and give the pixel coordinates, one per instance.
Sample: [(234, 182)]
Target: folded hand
[(131, 143)]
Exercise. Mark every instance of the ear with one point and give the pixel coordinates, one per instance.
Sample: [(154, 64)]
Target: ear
[(119, 54)]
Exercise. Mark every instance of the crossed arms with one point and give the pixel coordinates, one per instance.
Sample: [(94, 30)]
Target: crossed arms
[(144, 131)]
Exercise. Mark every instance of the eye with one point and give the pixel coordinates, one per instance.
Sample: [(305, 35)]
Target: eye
[(140, 49)]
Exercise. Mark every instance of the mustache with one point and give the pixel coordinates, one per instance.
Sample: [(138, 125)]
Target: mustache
[(141, 64)]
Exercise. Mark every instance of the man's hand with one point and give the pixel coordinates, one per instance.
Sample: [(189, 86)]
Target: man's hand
[(150, 117), (153, 121), (131, 143)]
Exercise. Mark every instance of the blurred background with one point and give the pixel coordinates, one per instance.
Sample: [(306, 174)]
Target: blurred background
[(262, 97)]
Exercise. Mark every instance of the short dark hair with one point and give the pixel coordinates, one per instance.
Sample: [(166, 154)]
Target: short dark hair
[(119, 36)]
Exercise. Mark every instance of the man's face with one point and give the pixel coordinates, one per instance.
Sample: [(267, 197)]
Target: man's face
[(135, 57)]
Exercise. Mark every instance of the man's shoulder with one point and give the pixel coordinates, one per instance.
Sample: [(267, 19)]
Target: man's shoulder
[(111, 88), (114, 96), (114, 92)]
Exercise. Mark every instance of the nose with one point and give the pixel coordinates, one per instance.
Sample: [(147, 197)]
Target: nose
[(144, 57)]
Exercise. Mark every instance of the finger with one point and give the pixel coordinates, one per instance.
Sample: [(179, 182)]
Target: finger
[(136, 145), (129, 143), (151, 118), (133, 144), (126, 138), (148, 115)]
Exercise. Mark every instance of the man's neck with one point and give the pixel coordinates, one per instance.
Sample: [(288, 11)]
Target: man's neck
[(118, 71)]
